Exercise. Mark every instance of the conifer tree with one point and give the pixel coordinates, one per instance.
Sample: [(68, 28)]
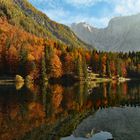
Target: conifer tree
[(85, 73), (108, 71), (79, 68), (23, 61), (48, 55), (119, 69), (43, 69)]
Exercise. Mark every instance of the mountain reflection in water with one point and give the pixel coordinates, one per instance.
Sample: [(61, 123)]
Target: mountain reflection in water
[(54, 111)]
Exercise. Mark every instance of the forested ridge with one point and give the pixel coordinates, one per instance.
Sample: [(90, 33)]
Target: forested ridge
[(22, 14)]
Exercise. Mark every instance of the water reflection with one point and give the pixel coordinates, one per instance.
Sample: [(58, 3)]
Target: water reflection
[(122, 122), (98, 136), (52, 111)]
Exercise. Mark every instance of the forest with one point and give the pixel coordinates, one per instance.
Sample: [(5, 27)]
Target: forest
[(50, 80), (25, 54)]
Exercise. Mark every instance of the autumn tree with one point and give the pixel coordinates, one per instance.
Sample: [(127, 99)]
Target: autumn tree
[(55, 67), (53, 63), (67, 63), (12, 60)]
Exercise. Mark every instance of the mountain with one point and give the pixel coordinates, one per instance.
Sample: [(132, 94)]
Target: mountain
[(122, 34), (22, 14)]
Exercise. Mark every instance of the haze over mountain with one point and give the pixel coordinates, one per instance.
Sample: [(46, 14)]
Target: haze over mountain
[(121, 34)]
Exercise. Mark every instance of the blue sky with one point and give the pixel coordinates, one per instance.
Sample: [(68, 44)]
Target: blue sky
[(95, 12)]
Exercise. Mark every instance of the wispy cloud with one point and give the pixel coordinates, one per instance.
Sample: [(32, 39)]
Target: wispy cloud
[(44, 4), (96, 22), (84, 2), (95, 12), (81, 2), (126, 7), (58, 15)]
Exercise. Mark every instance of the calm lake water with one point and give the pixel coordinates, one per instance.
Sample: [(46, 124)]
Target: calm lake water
[(55, 112)]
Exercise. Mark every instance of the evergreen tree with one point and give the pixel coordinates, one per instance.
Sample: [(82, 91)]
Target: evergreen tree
[(100, 66), (79, 69), (119, 69), (23, 61), (8, 43), (48, 55), (108, 71), (94, 61), (85, 73), (43, 69)]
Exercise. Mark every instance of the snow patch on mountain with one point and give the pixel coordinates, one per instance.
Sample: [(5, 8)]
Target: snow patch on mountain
[(122, 34)]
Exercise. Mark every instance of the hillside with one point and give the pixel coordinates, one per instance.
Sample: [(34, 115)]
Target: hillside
[(22, 14), (25, 54), (122, 34)]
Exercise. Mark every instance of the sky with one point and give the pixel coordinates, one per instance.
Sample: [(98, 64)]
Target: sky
[(94, 12)]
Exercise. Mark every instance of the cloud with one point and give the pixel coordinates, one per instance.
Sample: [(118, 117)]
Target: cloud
[(120, 6), (69, 11), (58, 15), (81, 2), (126, 7), (95, 22), (123, 7), (51, 4), (88, 3)]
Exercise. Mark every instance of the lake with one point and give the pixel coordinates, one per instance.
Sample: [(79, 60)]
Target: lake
[(81, 112)]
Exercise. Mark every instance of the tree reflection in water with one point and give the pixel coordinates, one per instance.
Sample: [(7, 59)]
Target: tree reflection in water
[(54, 111)]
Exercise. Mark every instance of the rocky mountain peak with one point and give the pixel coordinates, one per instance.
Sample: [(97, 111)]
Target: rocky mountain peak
[(122, 34)]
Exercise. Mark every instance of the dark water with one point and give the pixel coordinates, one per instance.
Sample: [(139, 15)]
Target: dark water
[(53, 112)]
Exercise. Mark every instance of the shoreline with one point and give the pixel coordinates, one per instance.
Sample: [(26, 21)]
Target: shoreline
[(7, 82), (100, 80), (94, 80)]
